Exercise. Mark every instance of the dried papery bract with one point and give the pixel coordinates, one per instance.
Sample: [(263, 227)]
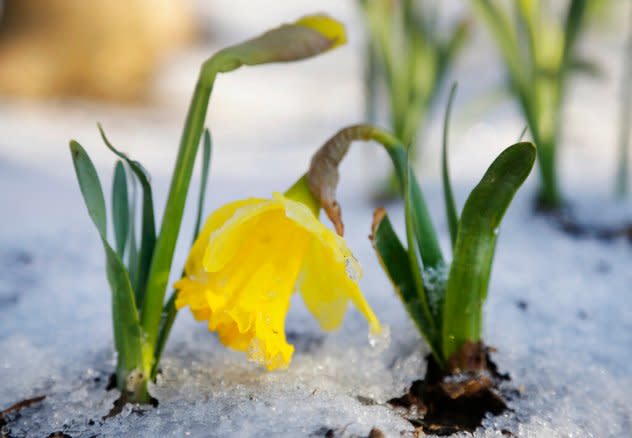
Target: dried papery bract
[(141, 319), (323, 172)]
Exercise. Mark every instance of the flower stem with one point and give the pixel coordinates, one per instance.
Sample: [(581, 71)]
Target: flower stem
[(174, 209)]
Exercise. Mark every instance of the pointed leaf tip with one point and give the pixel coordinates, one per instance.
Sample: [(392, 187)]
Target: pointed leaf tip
[(90, 186)]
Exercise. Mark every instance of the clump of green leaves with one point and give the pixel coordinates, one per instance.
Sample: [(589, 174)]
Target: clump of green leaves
[(409, 57), (445, 300), (128, 259), (138, 270), (539, 56)]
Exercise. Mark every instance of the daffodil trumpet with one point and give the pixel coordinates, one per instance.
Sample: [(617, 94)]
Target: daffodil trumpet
[(250, 257), (138, 272)]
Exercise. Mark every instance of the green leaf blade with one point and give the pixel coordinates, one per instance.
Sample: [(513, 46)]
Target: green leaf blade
[(207, 147), (132, 244), (126, 324), (415, 260), (476, 240), (148, 224), (394, 260), (429, 249), (572, 26), (120, 208), (450, 205), (90, 186)]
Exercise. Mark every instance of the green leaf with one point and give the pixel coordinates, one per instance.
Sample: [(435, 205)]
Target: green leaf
[(394, 260), (148, 230), (373, 77), (450, 207), (167, 319), (572, 26), (90, 186), (126, 324), (425, 233), (476, 240), (506, 38), (120, 208), (132, 244), (429, 248), (457, 40), (528, 17), (206, 161), (414, 252)]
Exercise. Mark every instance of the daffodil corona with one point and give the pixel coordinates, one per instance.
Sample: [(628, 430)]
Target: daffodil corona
[(251, 256)]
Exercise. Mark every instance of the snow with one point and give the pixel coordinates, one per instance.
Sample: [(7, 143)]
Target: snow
[(558, 311)]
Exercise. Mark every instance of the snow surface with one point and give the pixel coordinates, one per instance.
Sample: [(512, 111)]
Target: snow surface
[(559, 308)]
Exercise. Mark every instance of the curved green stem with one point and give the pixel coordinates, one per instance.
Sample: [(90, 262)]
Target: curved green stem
[(174, 209)]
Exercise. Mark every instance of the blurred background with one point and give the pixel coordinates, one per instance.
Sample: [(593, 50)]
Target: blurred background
[(132, 66)]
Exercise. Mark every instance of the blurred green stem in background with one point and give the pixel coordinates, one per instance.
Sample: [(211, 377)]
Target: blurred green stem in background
[(539, 56), (408, 57), (623, 179)]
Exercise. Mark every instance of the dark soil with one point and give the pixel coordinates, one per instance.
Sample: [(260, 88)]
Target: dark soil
[(119, 403), (457, 400), (328, 432)]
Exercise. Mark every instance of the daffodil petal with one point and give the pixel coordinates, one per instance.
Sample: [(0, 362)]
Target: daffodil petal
[(192, 295), (194, 265), (319, 284), (305, 218), (327, 283), (224, 241)]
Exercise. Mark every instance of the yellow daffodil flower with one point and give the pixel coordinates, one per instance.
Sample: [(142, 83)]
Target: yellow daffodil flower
[(247, 261)]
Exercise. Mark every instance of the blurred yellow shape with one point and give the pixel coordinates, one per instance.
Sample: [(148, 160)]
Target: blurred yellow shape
[(326, 26)]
